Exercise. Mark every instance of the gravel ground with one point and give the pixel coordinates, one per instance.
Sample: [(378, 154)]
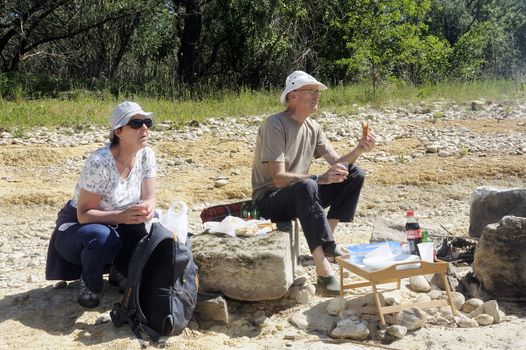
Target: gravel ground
[(428, 158)]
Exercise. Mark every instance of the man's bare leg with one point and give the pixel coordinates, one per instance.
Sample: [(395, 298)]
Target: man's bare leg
[(333, 223), (323, 267)]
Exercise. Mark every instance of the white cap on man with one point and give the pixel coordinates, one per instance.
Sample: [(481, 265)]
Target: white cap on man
[(122, 114), (296, 80)]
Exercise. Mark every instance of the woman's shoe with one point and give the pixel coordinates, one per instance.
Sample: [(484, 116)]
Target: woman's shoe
[(329, 284), (88, 298), (116, 278)]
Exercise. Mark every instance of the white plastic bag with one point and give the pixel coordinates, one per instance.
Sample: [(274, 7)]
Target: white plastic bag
[(175, 220), (383, 256), (231, 224), (228, 226), (380, 257)]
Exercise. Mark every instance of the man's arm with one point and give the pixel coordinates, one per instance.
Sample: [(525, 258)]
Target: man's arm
[(339, 165), (365, 144), (281, 178)]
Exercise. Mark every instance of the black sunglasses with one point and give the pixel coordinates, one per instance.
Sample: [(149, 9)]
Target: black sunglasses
[(137, 123)]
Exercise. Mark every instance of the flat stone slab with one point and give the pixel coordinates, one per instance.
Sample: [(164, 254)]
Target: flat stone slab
[(245, 268)]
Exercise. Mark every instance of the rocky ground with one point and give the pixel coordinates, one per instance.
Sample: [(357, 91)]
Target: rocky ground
[(429, 158)]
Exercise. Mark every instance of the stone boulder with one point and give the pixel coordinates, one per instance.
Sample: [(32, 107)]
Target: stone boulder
[(489, 205), (500, 263), (397, 331), (212, 308), (315, 319), (245, 268), (350, 329), (412, 318), (385, 230)]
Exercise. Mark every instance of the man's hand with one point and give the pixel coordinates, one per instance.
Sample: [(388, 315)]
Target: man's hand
[(365, 144), (367, 141), (336, 173)]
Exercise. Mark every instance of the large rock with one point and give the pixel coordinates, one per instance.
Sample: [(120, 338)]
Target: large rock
[(350, 329), (412, 318), (385, 230), (500, 262), (489, 205), (212, 309), (245, 268), (419, 284), (315, 319)]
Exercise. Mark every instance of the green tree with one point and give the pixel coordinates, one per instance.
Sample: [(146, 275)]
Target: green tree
[(487, 37), (26, 26), (388, 40)]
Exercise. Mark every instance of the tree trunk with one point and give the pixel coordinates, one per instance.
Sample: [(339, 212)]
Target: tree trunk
[(189, 39), (125, 38)]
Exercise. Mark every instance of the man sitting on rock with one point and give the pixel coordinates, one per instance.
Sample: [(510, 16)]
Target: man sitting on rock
[(286, 145)]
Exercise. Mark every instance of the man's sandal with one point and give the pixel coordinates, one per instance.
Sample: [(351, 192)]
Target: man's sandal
[(330, 284), (332, 250)]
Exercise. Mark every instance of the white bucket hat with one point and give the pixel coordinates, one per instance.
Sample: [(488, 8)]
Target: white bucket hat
[(296, 80), (122, 114)]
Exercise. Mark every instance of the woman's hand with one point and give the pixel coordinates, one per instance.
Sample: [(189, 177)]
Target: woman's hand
[(136, 214), (149, 204)]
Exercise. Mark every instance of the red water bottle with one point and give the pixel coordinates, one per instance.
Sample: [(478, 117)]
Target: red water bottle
[(413, 232)]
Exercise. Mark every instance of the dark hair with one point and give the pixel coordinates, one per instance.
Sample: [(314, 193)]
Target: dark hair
[(114, 140)]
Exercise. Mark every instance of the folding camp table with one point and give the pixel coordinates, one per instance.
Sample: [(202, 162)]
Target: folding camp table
[(394, 273)]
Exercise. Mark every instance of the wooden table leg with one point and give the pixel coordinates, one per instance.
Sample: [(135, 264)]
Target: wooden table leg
[(445, 282), (378, 305)]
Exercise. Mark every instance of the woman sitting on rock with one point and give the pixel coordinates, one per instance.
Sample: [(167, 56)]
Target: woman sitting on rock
[(104, 220)]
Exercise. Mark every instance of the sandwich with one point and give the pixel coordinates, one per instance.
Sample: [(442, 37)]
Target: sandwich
[(365, 129)]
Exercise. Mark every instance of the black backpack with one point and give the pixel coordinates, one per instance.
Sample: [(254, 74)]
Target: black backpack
[(161, 293)]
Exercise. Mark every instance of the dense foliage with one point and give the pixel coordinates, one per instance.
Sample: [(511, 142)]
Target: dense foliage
[(184, 48)]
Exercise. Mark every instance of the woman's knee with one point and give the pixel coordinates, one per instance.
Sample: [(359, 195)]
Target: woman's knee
[(100, 237)]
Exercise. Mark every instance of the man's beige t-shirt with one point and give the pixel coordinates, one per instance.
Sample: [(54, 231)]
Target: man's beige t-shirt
[(283, 139)]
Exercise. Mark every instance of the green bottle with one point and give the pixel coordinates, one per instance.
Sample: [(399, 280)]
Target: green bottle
[(245, 211), (425, 237), (255, 212)]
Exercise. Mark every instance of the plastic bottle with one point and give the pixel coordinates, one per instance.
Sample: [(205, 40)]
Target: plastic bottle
[(413, 232), (425, 237), (245, 211), (255, 211)]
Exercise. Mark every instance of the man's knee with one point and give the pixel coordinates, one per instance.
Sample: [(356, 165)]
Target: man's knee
[(360, 174), (306, 189), (357, 176)]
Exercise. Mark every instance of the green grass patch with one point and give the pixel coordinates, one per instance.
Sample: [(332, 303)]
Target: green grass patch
[(81, 110), (344, 99)]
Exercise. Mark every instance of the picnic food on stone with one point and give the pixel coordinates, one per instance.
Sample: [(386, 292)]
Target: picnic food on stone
[(253, 230)]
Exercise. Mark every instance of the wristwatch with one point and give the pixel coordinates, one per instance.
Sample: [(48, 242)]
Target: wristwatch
[(314, 177)]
